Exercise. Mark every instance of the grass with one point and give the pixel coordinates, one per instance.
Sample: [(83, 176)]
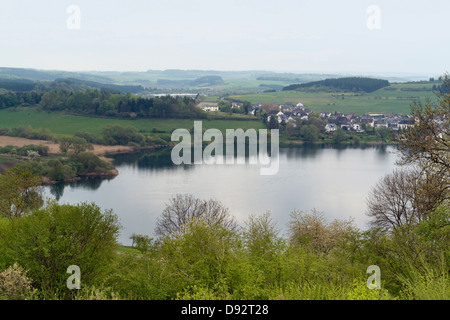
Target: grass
[(396, 98), (5, 158), (62, 124)]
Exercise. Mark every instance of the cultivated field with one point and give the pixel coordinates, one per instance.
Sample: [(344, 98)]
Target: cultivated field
[(60, 123), (396, 98)]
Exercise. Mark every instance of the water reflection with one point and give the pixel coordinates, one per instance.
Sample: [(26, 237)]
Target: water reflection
[(332, 179), (147, 159), (90, 184), (151, 160)]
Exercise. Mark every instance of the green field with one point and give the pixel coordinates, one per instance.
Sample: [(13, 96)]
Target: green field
[(396, 98), (61, 123)]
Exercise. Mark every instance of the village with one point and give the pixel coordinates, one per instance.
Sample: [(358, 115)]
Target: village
[(290, 114)]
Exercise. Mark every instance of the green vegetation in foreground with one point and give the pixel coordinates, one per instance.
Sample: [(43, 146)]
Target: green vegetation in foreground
[(60, 123)]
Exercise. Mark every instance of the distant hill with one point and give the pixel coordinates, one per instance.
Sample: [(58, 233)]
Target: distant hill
[(48, 75), (71, 84), (199, 82), (347, 84), (17, 85), (104, 86)]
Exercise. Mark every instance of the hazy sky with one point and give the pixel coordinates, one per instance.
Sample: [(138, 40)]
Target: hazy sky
[(283, 35)]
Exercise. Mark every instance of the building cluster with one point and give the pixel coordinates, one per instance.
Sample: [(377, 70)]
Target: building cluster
[(353, 122), (289, 114)]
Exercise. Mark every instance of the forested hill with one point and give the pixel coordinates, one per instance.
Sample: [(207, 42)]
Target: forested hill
[(103, 86), (347, 84), (71, 84)]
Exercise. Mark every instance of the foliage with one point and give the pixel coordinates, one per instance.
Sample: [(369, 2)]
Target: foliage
[(13, 99), (76, 144), (350, 84), (429, 285), (14, 284), (28, 132), (87, 162), (100, 102), (19, 193), (118, 135), (314, 232), (361, 292), (407, 197), (51, 239), (143, 243), (383, 133), (309, 133), (24, 151), (339, 136)]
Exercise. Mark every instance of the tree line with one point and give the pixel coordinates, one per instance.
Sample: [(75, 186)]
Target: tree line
[(89, 101), (104, 103), (13, 99), (348, 84)]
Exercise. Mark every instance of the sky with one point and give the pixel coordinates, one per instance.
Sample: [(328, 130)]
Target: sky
[(303, 36)]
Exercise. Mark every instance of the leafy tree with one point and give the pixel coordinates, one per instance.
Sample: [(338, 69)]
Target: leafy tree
[(76, 144), (205, 256), (310, 133), (383, 133), (261, 236), (20, 193), (86, 162), (264, 247), (56, 172), (118, 135), (246, 106), (427, 143), (339, 136), (273, 123), (143, 242), (51, 239)]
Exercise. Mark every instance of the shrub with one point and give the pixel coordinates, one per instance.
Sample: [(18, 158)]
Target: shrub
[(118, 135), (88, 162), (14, 283), (51, 239)]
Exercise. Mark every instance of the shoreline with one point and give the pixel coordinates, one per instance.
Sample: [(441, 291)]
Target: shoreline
[(101, 151)]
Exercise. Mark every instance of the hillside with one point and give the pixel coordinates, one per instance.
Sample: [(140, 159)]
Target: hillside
[(353, 84)]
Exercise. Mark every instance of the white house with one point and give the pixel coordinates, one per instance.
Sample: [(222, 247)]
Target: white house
[(381, 123), (330, 127), (210, 107), (405, 124), (357, 127)]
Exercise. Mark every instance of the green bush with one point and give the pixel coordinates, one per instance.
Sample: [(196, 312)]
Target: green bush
[(88, 162), (51, 239), (118, 135)]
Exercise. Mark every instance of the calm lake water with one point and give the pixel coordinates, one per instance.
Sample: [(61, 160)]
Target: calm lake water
[(333, 180)]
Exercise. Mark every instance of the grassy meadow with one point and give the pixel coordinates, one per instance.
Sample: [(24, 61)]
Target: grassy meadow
[(63, 124), (396, 98)]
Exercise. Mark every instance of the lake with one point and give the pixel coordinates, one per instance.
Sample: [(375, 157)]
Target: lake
[(333, 180)]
